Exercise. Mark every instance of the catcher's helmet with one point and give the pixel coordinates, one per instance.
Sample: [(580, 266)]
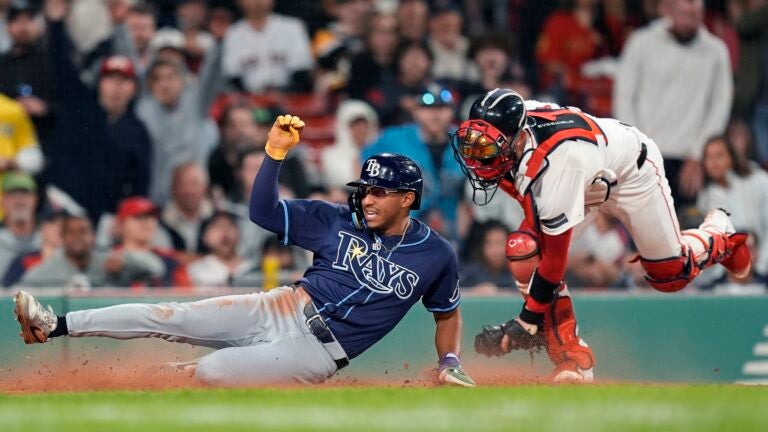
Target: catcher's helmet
[(485, 144), (389, 171)]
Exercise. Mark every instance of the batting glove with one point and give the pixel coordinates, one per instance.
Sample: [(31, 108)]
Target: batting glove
[(283, 135), (451, 372)]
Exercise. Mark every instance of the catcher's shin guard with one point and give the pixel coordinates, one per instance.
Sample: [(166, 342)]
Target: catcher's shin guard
[(572, 356), (714, 242)]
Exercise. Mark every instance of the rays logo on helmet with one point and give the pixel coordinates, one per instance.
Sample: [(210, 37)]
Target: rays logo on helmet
[(373, 167)]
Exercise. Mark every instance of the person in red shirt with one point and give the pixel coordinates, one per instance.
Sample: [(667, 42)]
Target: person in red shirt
[(569, 39), (135, 260)]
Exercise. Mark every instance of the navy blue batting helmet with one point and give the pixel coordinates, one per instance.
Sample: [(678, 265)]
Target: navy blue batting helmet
[(392, 171)]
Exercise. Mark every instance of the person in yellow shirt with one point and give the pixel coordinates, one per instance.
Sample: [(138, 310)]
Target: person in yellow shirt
[(18, 142)]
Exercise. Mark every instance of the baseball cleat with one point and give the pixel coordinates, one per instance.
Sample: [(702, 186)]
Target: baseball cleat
[(456, 376), (570, 373), (737, 258), (36, 322)]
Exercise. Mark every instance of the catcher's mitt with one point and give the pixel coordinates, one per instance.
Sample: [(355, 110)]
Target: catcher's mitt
[(488, 341)]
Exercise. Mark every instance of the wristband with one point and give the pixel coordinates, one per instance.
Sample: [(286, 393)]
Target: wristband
[(449, 360), (275, 153)]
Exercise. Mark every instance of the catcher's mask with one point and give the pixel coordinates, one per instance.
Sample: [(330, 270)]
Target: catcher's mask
[(484, 146)]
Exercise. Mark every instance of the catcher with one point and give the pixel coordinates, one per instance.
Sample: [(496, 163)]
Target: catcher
[(564, 166)]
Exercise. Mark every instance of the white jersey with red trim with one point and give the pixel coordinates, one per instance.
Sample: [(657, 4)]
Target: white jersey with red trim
[(572, 161)]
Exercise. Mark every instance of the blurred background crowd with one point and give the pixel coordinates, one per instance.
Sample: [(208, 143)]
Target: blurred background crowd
[(130, 131)]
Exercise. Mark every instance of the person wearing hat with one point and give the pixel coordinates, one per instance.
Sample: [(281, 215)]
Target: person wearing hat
[(135, 262), (98, 151), (169, 44), (175, 110), (112, 144), (19, 232), (427, 142), (51, 220)]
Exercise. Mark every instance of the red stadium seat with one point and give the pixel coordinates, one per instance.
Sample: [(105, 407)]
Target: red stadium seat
[(320, 131), (305, 105)]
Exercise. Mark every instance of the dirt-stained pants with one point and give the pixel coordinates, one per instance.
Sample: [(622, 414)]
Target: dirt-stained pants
[(260, 338)]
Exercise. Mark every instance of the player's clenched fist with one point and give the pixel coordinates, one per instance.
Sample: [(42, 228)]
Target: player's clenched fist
[(283, 135)]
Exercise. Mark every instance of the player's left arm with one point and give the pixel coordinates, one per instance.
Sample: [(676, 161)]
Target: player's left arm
[(442, 299), (448, 345)]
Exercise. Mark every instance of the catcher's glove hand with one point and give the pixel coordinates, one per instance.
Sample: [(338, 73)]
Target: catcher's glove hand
[(488, 341), (283, 135)]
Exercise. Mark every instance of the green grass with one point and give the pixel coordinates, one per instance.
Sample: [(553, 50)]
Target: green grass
[(527, 408)]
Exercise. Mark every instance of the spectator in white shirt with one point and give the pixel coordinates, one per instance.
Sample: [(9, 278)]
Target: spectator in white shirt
[(739, 187), (675, 83), (222, 266), (265, 50)]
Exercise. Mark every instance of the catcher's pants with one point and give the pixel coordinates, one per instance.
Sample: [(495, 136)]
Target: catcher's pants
[(261, 337), (642, 202)]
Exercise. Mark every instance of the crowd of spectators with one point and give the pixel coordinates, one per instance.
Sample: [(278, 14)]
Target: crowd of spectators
[(131, 131)]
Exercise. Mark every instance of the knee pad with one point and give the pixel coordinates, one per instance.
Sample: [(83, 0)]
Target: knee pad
[(562, 335), (671, 274), (523, 255)]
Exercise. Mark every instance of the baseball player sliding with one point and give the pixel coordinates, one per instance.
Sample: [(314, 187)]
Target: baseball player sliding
[(372, 262), (564, 166)]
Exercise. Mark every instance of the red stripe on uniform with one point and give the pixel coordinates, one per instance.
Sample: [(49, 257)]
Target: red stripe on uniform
[(671, 212)]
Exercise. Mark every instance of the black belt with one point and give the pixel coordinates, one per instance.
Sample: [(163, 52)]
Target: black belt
[(643, 155), (318, 327)]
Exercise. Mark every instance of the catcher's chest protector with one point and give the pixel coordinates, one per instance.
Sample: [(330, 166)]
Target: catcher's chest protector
[(550, 128)]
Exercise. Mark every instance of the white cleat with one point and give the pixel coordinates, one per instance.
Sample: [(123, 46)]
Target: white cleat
[(36, 322), (570, 373)]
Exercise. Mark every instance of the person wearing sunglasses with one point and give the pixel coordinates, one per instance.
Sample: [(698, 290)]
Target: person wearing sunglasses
[(564, 166), (372, 262)]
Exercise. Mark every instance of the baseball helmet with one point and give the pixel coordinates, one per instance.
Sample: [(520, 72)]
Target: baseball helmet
[(389, 171), (392, 171), (484, 145)]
